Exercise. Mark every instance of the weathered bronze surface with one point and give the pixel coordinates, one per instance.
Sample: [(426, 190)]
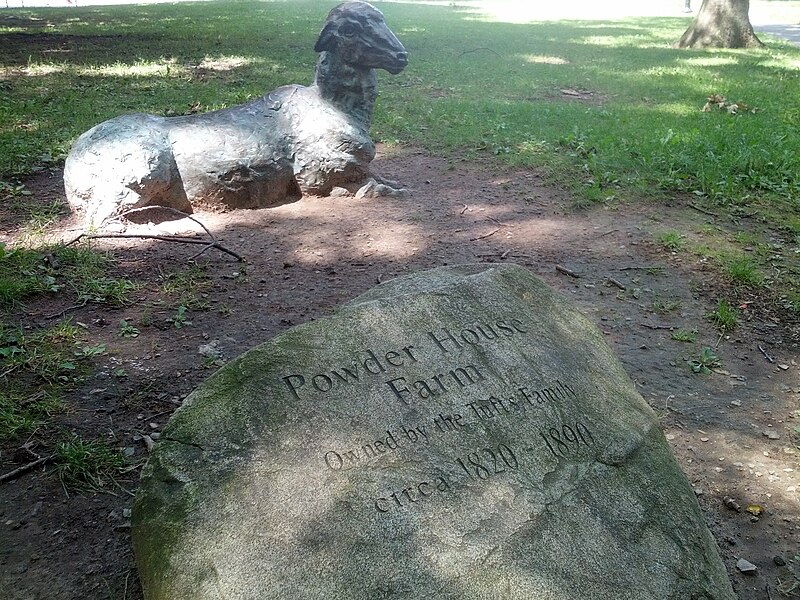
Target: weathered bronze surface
[(294, 140)]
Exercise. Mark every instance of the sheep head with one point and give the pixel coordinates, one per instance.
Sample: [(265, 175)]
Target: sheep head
[(357, 33)]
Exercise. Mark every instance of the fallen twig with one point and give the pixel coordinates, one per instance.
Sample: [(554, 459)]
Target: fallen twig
[(9, 371), (669, 327), (463, 210), (499, 222), (66, 310), (566, 271), (505, 254), (125, 591), (161, 414), (766, 355), (213, 243), (616, 283), (478, 49), (162, 238), (25, 468), (480, 237), (641, 268), (702, 210), (208, 247)]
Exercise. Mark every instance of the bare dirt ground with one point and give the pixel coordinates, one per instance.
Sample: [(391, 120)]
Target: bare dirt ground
[(733, 431)]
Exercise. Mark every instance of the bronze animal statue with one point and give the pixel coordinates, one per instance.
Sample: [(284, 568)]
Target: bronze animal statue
[(294, 140)]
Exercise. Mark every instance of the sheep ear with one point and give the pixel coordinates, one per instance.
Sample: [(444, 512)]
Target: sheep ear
[(327, 39)]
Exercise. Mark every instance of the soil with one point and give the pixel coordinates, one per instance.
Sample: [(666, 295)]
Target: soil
[(733, 431)]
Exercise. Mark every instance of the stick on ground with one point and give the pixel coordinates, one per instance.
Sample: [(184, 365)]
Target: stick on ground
[(213, 243), (25, 468), (566, 271)]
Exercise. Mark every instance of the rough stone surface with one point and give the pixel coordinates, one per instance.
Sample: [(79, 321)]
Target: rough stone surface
[(745, 566), (458, 433), (292, 141)]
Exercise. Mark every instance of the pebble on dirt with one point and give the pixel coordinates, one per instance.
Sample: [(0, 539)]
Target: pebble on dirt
[(746, 567)]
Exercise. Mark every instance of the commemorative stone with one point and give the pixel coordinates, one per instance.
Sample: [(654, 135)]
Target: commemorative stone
[(460, 433)]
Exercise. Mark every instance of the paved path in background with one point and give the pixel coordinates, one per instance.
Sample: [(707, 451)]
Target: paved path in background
[(787, 32)]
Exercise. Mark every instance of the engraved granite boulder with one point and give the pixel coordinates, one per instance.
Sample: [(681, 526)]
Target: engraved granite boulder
[(461, 433)]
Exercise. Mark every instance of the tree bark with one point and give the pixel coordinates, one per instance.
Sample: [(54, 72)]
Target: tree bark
[(721, 24)]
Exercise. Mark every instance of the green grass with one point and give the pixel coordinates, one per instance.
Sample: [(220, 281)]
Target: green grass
[(671, 240), (38, 364), (743, 270), (185, 287), (23, 273), (35, 367), (108, 290), (27, 272), (48, 355), (23, 411), (685, 335), (88, 465), (663, 306), (473, 86), (725, 316)]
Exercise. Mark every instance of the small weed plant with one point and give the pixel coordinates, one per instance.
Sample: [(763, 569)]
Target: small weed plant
[(725, 316), (180, 318), (671, 240), (705, 362), (664, 306), (10, 190), (743, 271), (685, 335), (88, 465), (128, 330)]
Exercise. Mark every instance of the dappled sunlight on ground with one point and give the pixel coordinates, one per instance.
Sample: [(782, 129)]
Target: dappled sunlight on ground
[(731, 430), (304, 259), (512, 11), (509, 11), (547, 60), (226, 63), (165, 67), (769, 478), (710, 61)]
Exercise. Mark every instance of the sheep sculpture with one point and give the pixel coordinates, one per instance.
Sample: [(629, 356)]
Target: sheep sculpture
[(292, 141)]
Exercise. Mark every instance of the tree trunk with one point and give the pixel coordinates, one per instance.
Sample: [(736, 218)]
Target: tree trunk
[(721, 24)]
